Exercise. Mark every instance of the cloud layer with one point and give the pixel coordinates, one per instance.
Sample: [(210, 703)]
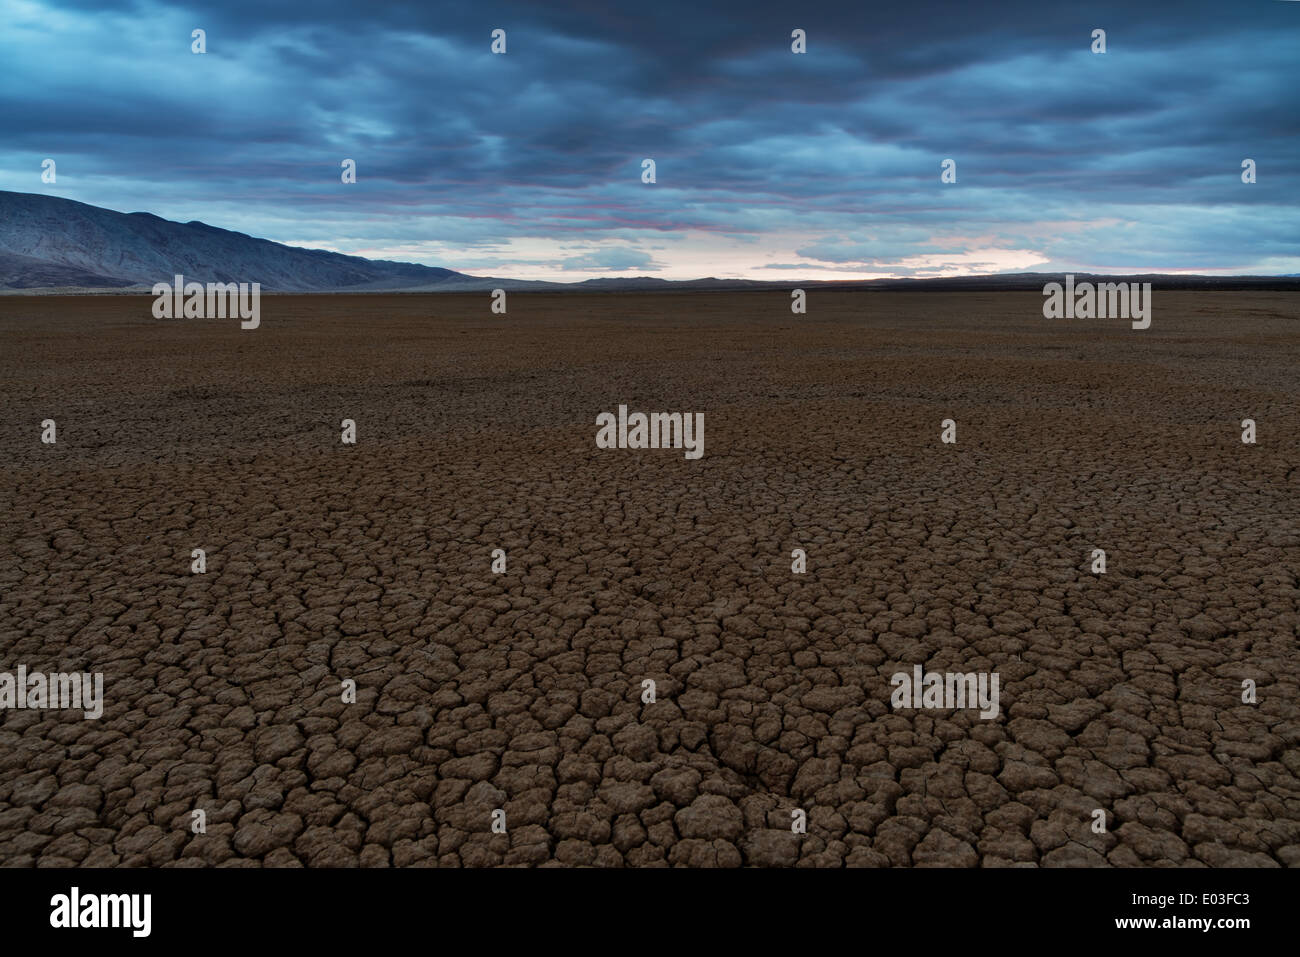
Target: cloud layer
[(768, 163)]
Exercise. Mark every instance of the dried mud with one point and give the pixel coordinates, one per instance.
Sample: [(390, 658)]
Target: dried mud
[(522, 691)]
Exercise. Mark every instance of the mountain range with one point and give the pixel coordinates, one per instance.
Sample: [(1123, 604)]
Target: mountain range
[(51, 244)]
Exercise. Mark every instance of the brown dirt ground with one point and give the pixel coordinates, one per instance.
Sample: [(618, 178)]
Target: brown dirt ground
[(522, 691)]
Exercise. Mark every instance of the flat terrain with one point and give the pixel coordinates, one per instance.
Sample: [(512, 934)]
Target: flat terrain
[(522, 691)]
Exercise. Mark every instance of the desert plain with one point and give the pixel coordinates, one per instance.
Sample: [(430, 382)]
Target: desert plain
[(522, 691)]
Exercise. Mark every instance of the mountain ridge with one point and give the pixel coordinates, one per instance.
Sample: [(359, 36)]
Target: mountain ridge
[(50, 244), (122, 250)]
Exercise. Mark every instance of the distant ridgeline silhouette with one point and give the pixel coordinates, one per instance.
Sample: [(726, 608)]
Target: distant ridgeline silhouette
[(47, 242)]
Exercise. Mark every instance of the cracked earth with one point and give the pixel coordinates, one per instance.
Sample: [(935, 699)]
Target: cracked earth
[(522, 691)]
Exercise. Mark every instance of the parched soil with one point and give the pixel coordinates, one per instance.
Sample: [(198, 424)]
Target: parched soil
[(522, 691)]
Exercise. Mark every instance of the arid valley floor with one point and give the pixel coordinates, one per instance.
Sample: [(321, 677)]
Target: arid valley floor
[(522, 691)]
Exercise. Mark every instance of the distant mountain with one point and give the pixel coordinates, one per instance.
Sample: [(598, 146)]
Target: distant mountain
[(48, 243)]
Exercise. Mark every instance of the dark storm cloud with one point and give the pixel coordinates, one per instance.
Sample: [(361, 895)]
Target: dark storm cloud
[(830, 158)]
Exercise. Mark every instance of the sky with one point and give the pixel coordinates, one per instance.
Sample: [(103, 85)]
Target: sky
[(769, 164)]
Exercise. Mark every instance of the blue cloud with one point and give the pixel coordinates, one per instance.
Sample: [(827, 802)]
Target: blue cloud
[(1128, 160)]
